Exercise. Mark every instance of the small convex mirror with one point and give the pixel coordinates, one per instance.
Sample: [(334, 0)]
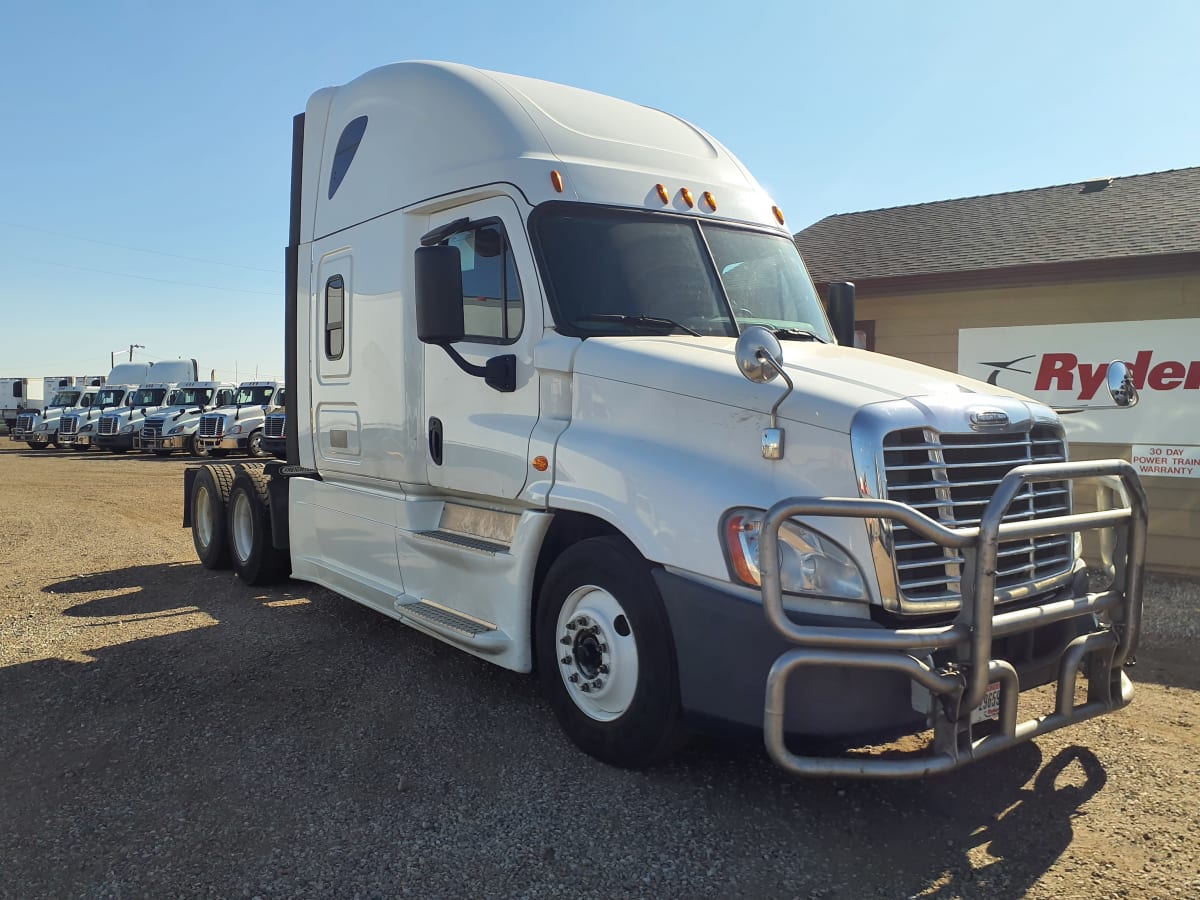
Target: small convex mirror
[(1120, 384), (753, 348)]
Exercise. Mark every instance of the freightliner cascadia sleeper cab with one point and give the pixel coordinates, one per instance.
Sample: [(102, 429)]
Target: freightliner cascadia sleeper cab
[(561, 394)]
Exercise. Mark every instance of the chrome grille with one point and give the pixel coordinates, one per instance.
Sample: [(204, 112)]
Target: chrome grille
[(212, 426), (25, 423), (68, 425), (274, 426), (152, 428), (109, 425), (950, 478)]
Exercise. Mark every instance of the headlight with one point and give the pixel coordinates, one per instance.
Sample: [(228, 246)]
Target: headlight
[(809, 562), (236, 429), (177, 429), (43, 426), (87, 427), (129, 429)]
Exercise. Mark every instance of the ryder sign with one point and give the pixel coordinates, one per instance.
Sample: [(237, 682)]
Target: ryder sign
[(1065, 366)]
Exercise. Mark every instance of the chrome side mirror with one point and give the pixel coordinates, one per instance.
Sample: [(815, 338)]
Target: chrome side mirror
[(1120, 384), (754, 347), (760, 359)]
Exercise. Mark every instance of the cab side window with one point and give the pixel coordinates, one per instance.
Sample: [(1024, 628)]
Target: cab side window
[(493, 306), (335, 317)]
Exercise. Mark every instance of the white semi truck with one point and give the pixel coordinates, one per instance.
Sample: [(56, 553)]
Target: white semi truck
[(539, 408), (77, 427), (115, 430), (39, 429), (238, 427), (275, 426), (174, 427)]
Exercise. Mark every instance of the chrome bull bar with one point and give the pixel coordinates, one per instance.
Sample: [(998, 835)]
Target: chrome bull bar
[(959, 688)]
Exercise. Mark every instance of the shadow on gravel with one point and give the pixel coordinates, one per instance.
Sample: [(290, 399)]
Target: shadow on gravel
[(318, 749)]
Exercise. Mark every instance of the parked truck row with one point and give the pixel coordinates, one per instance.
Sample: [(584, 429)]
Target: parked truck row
[(159, 408), (539, 408)]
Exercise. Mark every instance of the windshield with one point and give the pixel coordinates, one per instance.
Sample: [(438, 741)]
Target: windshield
[(65, 398), (254, 396), (108, 397), (148, 397), (192, 397), (626, 272)]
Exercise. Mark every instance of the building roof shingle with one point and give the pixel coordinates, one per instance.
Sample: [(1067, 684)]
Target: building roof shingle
[(1133, 217)]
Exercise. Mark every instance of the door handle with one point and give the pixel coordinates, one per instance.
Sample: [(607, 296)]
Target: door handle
[(435, 440)]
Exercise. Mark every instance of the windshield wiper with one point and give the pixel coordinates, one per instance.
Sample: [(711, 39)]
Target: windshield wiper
[(656, 321), (798, 334)]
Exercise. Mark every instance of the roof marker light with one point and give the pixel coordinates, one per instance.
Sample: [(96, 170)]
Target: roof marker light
[(778, 214), (556, 180), (662, 193), (710, 200), (687, 197)]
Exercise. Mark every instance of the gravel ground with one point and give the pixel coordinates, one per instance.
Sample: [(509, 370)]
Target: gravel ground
[(166, 731)]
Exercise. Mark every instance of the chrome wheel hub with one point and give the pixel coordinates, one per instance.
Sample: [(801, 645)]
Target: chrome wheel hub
[(597, 653)]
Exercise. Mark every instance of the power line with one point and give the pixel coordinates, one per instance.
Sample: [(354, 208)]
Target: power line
[(73, 237), (213, 287)]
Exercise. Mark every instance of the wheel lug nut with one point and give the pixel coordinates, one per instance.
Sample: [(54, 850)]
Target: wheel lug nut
[(598, 683), (604, 648), (603, 670), (566, 660), (571, 626), (586, 688), (574, 679)]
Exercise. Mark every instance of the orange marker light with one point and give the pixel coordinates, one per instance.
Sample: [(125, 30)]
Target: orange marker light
[(710, 200), (687, 197), (541, 463), (778, 214), (556, 180), (662, 193)]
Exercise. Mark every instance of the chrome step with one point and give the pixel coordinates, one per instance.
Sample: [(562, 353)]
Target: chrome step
[(455, 626), (466, 541)]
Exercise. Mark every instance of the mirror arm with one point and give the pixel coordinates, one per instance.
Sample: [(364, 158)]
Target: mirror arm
[(500, 372)]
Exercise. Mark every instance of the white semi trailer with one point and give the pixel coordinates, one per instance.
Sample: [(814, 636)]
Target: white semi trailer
[(18, 395), (539, 408)]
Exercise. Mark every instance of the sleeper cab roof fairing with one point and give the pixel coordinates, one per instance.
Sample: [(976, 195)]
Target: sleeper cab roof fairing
[(408, 132)]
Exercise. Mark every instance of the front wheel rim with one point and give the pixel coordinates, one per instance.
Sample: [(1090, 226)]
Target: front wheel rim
[(597, 653), (242, 523)]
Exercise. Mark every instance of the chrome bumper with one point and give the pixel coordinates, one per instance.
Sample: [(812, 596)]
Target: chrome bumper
[(958, 689), (175, 442), (222, 443)]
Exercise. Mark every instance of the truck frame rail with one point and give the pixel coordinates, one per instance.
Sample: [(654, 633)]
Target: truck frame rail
[(959, 688)]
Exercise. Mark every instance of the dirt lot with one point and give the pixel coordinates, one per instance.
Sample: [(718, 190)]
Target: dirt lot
[(166, 731)]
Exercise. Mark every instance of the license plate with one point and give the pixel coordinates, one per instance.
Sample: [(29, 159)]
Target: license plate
[(990, 707)]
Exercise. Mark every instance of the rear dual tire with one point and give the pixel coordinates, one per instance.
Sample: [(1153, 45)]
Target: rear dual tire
[(252, 551)]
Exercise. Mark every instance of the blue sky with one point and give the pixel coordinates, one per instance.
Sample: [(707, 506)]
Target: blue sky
[(146, 144)]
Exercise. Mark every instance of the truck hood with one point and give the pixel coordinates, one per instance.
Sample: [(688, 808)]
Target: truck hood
[(831, 383)]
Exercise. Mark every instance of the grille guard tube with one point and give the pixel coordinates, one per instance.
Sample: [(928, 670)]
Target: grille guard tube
[(963, 688)]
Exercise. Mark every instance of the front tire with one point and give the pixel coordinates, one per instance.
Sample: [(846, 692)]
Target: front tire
[(209, 502), (254, 445), (195, 449), (252, 551), (605, 656)]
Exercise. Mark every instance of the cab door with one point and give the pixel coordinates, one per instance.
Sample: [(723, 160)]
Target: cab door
[(478, 437)]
